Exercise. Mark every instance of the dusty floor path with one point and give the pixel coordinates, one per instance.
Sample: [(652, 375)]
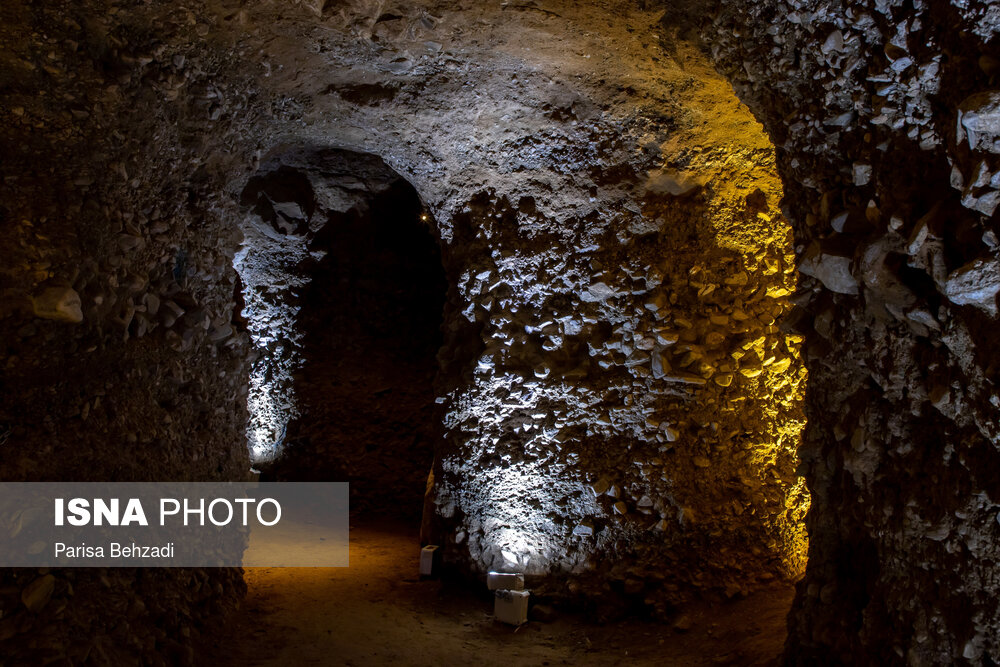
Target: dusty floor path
[(378, 612)]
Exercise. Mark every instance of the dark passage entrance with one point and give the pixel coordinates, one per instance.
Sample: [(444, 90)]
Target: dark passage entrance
[(371, 316)]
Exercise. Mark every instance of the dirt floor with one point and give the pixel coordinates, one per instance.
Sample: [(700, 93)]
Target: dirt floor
[(379, 612)]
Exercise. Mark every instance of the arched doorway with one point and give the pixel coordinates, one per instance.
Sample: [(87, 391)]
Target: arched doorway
[(344, 291)]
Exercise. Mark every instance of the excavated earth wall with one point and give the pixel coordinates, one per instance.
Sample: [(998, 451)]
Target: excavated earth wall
[(885, 119)]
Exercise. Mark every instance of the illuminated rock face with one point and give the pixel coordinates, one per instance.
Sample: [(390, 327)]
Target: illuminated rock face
[(286, 204), (621, 386), (630, 393), (618, 270)]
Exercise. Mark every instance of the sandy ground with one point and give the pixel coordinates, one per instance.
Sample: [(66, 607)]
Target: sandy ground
[(378, 612)]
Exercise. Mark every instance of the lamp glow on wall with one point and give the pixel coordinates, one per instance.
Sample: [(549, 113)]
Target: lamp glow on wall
[(271, 313), (523, 502), (268, 423)]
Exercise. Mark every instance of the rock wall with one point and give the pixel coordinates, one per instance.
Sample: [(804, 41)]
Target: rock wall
[(632, 404), (120, 362), (884, 115)]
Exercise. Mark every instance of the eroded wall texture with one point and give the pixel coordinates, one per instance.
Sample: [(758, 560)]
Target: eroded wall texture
[(119, 361), (884, 115), (626, 339)]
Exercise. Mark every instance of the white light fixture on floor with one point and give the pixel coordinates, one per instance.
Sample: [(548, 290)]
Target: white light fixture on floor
[(511, 607)]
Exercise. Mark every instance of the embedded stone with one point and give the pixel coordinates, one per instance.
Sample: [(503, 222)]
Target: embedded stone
[(683, 623), (979, 121), (684, 378), (834, 271), (600, 487), (738, 279), (975, 284), (597, 293), (665, 337), (834, 42), (723, 379), (862, 173), (290, 209), (58, 303), (38, 593)]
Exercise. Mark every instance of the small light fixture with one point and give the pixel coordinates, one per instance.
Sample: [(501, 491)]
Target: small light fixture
[(428, 556)]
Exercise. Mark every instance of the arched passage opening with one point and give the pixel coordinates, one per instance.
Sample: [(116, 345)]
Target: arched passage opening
[(344, 290), (371, 319)]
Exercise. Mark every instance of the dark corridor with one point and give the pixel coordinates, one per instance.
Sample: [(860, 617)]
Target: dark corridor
[(372, 322)]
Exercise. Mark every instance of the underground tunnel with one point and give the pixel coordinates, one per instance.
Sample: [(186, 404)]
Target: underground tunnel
[(669, 321)]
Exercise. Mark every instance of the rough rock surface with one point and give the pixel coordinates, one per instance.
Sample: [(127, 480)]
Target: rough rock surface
[(621, 376), (117, 269), (886, 111)]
